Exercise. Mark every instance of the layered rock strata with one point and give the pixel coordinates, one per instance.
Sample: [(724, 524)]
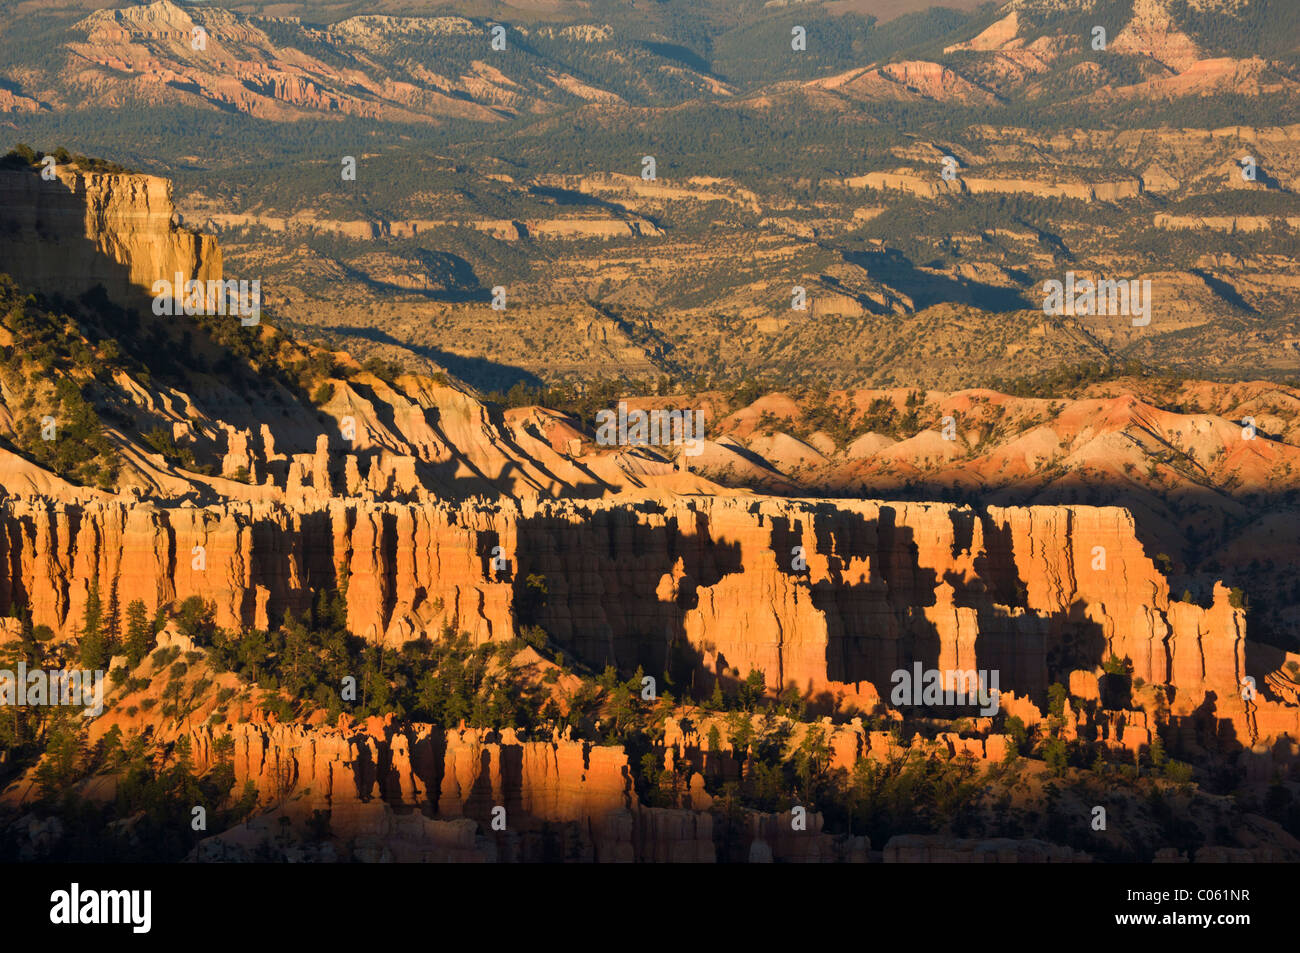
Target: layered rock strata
[(825, 595), (67, 235)]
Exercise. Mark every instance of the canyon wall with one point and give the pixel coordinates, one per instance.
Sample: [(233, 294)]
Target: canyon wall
[(419, 793), (827, 595), (81, 229)]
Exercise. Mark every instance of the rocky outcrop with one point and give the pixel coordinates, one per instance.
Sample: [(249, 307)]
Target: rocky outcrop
[(11, 102), (828, 596), (1003, 34), (930, 186), (81, 229), (505, 229), (905, 80), (1225, 223), (1152, 32), (1083, 191), (421, 793)]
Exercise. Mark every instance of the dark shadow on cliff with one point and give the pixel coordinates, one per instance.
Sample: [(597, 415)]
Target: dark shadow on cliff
[(239, 375), (231, 371), (874, 597), (1192, 529), (602, 586)]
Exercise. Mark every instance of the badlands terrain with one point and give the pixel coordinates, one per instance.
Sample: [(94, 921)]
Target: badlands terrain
[(822, 169), (368, 583)]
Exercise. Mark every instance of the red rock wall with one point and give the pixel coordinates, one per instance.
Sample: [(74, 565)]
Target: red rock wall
[(1011, 590)]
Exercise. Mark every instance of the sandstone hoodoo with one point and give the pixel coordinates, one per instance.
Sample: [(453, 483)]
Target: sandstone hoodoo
[(713, 582)]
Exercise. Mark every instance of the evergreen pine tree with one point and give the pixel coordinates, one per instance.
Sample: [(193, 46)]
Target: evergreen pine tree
[(113, 623), (139, 633), (94, 645), (717, 701)]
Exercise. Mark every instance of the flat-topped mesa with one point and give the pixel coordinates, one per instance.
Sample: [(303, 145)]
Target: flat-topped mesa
[(81, 229), (827, 595)]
